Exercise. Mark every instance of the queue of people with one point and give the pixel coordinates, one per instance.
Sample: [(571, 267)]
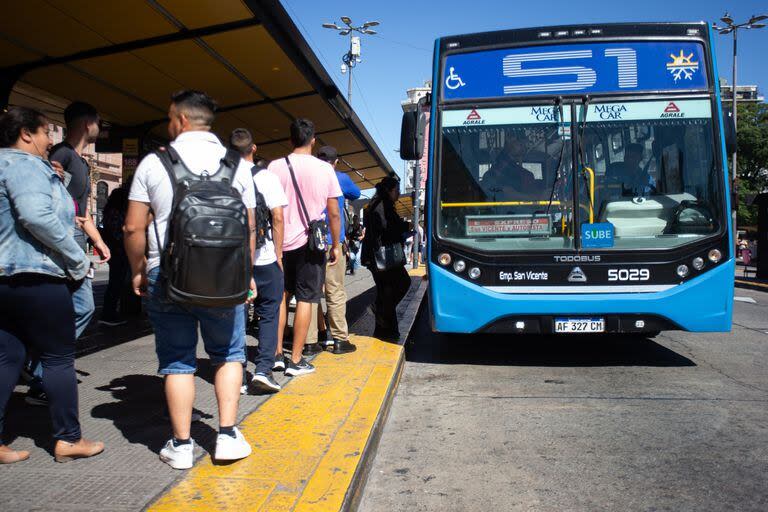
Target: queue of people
[(284, 220)]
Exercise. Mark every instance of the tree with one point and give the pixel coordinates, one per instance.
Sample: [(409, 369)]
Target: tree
[(752, 141)]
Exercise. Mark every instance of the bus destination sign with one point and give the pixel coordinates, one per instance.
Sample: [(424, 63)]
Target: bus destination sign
[(626, 67), (507, 225)]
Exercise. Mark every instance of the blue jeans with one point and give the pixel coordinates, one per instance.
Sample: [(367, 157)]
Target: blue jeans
[(269, 289), (175, 325), (82, 300)]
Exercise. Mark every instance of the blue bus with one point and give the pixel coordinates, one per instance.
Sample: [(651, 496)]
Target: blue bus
[(577, 181)]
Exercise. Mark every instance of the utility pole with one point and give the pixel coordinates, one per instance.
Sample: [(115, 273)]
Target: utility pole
[(352, 57)]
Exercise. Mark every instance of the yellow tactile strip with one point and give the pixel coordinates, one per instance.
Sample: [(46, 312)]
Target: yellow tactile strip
[(308, 440), (418, 272), (751, 283)]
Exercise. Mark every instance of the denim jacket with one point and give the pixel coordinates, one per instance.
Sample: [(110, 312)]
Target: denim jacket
[(37, 220)]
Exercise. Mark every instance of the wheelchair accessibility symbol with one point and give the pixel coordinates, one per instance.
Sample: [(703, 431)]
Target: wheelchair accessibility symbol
[(454, 81)]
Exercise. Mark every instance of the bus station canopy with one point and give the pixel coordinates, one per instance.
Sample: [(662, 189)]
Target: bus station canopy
[(127, 57)]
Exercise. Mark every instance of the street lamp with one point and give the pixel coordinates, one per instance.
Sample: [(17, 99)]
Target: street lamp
[(352, 57), (733, 28)]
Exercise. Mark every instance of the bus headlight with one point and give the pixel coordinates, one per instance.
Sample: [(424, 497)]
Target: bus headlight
[(715, 255), (698, 263), (444, 259), (682, 270), (459, 266), (474, 273)]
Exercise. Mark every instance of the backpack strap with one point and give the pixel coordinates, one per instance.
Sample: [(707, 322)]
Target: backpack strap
[(298, 193), (228, 167)]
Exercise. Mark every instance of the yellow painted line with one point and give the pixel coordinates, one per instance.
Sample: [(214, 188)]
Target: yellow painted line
[(752, 283), (499, 203), (308, 440), (418, 272)]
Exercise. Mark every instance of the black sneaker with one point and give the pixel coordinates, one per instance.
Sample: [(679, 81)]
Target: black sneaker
[(343, 347), (265, 383), (37, 397), (301, 368), (113, 322), (310, 349), (279, 365)]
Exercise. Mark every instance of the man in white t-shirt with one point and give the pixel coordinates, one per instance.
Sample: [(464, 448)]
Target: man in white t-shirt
[(190, 118), (267, 263), (305, 269)]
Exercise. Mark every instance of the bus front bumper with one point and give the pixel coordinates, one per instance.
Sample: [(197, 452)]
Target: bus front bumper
[(703, 304)]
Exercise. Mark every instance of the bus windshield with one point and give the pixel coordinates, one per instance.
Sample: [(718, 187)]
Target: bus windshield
[(653, 168), (646, 168), (504, 177)]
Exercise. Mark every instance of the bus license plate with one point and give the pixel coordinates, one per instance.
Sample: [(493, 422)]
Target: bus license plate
[(578, 325)]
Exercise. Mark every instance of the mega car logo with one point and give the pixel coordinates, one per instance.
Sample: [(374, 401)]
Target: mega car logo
[(672, 110), (543, 114), (474, 118), (609, 112)]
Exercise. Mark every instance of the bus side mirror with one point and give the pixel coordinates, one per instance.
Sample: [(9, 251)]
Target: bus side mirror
[(412, 135), (729, 131)]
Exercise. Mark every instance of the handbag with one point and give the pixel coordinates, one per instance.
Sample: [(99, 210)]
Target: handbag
[(389, 256), (316, 229)]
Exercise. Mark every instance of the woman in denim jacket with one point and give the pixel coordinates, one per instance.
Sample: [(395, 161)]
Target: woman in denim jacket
[(39, 259)]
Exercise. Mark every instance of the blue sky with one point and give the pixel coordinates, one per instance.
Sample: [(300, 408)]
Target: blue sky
[(400, 56)]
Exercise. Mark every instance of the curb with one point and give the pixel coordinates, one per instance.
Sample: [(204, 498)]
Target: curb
[(749, 285), (360, 478)]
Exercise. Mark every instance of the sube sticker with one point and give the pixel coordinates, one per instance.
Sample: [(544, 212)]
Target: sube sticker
[(597, 235)]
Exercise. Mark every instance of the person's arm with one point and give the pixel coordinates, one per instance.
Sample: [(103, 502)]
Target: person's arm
[(334, 221), (31, 195), (87, 225), (252, 231), (135, 240), (278, 232), (348, 187)]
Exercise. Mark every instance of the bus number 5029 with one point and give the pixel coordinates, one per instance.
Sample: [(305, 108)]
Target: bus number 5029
[(629, 274)]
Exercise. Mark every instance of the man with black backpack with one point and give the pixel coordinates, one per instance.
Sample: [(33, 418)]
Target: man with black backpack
[(267, 263), (197, 199)]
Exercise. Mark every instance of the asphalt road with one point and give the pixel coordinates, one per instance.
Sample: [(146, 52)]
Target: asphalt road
[(502, 423)]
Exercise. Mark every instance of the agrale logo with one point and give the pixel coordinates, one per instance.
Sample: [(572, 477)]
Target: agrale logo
[(577, 276), (672, 110), (474, 118)]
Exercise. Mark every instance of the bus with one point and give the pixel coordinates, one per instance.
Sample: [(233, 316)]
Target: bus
[(577, 181)]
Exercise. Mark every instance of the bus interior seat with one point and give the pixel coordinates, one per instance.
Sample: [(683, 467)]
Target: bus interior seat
[(649, 217)]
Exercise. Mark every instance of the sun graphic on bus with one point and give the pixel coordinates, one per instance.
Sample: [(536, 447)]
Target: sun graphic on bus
[(682, 66)]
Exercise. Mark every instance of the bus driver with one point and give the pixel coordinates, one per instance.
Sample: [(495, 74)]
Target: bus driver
[(633, 178), (507, 179)]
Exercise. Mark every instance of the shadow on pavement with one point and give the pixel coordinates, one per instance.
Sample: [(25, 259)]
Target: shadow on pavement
[(24, 420), (140, 413), (424, 346)]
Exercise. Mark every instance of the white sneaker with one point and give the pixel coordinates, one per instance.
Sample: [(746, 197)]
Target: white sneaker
[(243, 389), (178, 457), (232, 448)]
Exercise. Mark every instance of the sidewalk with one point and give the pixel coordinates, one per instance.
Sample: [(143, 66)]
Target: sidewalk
[(309, 440)]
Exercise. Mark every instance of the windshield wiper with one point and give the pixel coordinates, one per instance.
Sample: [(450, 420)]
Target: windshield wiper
[(582, 157), (559, 124)]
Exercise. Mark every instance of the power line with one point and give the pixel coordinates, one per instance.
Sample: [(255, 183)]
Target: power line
[(407, 45)]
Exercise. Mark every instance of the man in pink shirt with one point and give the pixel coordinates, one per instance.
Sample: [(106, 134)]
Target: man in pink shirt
[(304, 269)]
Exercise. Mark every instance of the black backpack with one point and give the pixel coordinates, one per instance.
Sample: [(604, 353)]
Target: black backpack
[(262, 213), (206, 259)]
